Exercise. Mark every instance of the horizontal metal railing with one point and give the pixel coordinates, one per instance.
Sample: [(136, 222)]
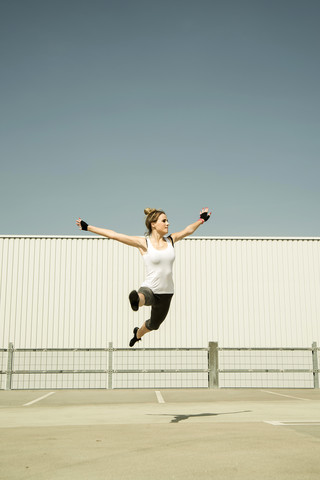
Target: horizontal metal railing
[(209, 369), (314, 369), (110, 369)]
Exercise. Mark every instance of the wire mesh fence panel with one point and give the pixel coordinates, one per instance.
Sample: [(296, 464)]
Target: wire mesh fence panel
[(266, 368), (160, 359), (60, 369), (146, 368), (3, 368), (109, 368)]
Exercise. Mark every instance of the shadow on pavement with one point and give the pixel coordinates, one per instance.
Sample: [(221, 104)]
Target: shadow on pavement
[(179, 418)]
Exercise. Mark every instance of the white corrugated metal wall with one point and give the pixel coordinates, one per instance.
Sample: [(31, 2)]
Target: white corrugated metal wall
[(72, 292)]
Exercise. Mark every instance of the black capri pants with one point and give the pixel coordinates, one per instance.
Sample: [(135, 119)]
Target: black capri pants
[(160, 303)]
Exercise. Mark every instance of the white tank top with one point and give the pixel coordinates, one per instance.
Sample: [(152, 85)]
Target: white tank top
[(158, 265)]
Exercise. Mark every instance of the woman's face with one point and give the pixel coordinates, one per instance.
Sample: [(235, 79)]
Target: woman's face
[(162, 224)]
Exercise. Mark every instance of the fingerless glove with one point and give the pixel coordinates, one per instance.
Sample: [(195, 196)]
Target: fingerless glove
[(204, 215), (84, 225)]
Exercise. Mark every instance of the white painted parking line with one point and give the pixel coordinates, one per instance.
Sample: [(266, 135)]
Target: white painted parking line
[(285, 424), (274, 422), (159, 397), (38, 399), (283, 395), (309, 424)]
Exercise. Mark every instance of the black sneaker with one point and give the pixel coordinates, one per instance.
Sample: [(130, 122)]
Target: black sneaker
[(134, 300), (134, 339)]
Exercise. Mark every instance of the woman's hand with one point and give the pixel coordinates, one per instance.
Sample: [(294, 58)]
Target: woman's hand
[(81, 224), (204, 215)]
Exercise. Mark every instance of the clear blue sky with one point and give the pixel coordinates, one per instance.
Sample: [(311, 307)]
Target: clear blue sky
[(111, 106)]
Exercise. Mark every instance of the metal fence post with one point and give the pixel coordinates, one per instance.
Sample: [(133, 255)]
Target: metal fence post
[(213, 365), (9, 366), (110, 366), (315, 365)]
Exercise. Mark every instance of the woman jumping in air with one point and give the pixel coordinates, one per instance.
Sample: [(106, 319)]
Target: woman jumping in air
[(158, 254)]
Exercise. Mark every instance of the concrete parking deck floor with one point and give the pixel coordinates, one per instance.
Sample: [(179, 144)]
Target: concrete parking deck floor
[(160, 434)]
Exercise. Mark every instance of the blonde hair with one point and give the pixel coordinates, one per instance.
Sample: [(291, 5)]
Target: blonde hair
[(152, 215)]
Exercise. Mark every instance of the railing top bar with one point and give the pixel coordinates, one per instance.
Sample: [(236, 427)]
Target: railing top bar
[(268, 370), (172, 349), (263, 349), (142, 370), (61, 349), (161, 370), (114, 349)]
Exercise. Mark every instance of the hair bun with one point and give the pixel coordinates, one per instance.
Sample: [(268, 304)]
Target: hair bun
[(147, 211)]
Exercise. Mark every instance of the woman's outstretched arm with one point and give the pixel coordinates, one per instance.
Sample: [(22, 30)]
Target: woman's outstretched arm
[(132, 241), (190, 229)]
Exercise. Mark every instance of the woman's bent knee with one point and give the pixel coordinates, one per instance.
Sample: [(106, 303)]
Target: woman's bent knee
[(142, 300)]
